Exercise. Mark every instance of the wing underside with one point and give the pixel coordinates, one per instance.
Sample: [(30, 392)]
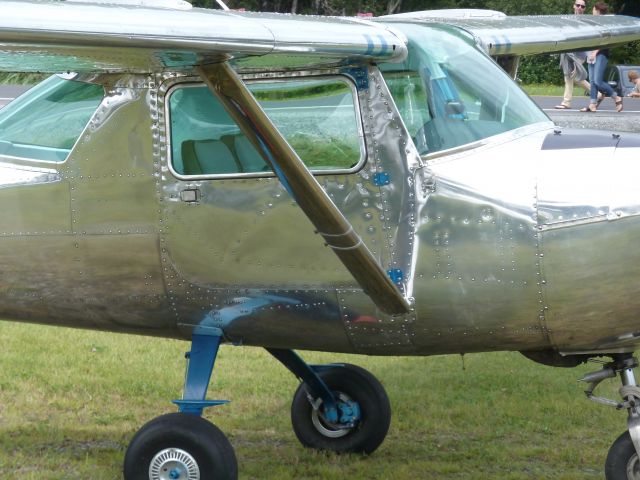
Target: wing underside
[(499, 34), (54, 36)]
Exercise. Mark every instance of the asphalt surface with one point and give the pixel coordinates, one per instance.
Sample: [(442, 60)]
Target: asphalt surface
[(631, 105), (9, 92), (606, 118)]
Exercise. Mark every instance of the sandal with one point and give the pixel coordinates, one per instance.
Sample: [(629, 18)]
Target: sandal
[(619, 105), (591, 108), (562, 107)]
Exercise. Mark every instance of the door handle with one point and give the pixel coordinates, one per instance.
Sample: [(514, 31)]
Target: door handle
[(190, 195)]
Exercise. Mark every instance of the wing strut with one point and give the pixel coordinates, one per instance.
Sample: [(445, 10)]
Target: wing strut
[(312, 199)]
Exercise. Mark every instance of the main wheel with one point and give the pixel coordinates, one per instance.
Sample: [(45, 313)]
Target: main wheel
[(622, 460), (363, 409), (179, 446)]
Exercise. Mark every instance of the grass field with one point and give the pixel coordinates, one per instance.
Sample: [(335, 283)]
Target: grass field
[(70, 401), (547, 89), (21, 78)]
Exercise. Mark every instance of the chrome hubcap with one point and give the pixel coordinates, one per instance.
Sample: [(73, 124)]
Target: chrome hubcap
[(633, 468), (173, 464)]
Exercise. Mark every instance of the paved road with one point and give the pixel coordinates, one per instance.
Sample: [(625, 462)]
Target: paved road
[(606, 118), (631, 105), (9, 92)]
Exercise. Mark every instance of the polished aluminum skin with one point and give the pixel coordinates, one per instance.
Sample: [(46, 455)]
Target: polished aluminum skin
[(495, 241), (520, 241), (499, 34), (329, 222), (80, 239), (55, 36)]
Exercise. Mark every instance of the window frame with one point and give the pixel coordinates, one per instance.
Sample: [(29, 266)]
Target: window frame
[(197, 82)]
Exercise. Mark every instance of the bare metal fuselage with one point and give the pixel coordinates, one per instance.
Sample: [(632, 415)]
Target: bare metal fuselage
[(516, 242)]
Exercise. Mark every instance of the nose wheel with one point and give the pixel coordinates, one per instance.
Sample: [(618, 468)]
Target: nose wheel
[(623, 461)]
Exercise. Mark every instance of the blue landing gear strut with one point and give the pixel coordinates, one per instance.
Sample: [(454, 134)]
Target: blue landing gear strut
[(308, 374), (185, 446), (201, 359)]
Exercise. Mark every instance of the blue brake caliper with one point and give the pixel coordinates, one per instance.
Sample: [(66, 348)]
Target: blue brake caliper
[(334, 410)]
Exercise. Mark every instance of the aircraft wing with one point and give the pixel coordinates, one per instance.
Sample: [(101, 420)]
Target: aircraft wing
[(499, 34), (54, 36)]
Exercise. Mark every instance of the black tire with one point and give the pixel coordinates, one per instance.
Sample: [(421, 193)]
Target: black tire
[(622, 460), (346, 382), (176, 434)]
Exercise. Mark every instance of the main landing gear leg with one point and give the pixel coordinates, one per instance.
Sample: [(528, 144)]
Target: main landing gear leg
[(622, 460), (338, 407), (184, 446)]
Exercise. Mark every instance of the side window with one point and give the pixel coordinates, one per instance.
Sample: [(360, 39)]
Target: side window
[(317, 116), (45, 122)]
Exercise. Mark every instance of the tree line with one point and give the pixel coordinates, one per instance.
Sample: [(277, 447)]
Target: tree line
[(385, 7)]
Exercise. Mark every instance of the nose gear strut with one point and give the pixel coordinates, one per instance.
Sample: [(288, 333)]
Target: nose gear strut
[(622, 455)]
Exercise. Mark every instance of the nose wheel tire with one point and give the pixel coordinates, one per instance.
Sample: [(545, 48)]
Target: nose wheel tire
[(363, 408), (622, 460), (180, 446)]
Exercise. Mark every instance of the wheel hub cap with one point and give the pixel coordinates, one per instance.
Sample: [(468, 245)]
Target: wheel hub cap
[(633, 468), (173, 464)]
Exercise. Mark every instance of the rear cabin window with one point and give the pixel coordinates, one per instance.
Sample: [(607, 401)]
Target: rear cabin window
[(45, 122), (318, 118)]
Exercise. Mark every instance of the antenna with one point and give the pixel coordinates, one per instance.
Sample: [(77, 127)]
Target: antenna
[(222, 4)]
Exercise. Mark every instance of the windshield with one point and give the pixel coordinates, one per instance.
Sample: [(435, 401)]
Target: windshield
[(45, 122), (450, 94)]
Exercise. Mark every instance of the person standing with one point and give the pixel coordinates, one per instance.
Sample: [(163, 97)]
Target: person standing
[(597, 61), (571, 64)]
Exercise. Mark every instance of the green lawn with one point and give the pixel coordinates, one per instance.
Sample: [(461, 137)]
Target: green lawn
[(8, 78), (546, 89), (70, 401)]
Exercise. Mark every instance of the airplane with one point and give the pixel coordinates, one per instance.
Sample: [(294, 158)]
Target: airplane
[(376, 186)]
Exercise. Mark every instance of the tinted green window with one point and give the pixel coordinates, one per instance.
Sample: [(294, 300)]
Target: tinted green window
[(316, 116), (45, 122)]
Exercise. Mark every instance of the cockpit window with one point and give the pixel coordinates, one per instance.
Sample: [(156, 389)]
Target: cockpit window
[(316, 115), (450, 94), (44, 123)]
